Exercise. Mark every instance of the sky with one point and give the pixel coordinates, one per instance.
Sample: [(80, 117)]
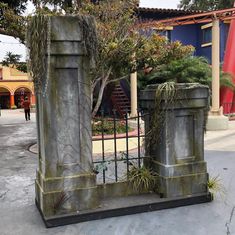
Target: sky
[(10, 44)]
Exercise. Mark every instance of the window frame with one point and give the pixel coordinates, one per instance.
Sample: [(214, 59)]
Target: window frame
[(206, 43)]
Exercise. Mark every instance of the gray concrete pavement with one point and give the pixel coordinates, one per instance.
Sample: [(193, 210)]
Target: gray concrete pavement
[(19, 216)]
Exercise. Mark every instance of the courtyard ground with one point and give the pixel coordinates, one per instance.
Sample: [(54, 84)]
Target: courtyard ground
[(19, 216)]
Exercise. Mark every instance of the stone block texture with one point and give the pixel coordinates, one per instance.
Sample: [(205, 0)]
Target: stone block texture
[(65, 182)]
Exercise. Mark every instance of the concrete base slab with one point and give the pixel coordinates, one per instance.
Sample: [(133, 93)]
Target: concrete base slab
[(217, 122), (112, 207), (171, 187)]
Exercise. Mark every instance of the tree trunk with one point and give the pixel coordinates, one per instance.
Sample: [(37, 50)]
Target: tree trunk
[(79, 3), (101, 92)]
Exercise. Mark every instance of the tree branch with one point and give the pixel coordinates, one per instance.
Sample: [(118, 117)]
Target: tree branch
[(118, 79), (95, 83), (11, 34), (101, 91)]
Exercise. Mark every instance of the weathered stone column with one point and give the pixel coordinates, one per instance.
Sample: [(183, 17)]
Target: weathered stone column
[(65, 181), (177, 152)]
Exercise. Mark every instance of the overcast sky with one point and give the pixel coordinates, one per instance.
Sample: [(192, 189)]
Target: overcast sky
[(12, 45)]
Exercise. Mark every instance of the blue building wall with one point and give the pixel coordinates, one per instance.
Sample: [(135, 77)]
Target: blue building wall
[(187, 34), (192, 35), (205, 52), (224, 28)]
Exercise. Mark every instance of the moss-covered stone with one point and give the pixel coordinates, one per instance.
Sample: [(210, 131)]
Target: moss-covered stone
[(177, 154), (65, 181)]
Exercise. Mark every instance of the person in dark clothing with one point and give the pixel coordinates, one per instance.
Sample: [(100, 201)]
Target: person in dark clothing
[(26, 105)]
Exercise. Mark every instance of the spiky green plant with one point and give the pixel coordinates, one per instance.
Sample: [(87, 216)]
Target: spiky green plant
[(142, 179), (165, 91), (215, 186)]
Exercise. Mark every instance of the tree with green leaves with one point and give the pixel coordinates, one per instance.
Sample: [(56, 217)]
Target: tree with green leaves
[(122, 47), (13, 61), (18, 6), (12, 23), (205, 5)]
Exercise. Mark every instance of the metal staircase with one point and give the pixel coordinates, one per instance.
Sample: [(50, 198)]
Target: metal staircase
[(120, 101)]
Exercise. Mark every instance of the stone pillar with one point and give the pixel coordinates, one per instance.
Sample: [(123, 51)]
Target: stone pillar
[(176, 149), (134, 94), (65, 180), (12, 100), (216, 120)]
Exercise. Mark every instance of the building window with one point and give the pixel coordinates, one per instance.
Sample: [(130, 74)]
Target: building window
[(167, 34), (163, 31), (206, 35)]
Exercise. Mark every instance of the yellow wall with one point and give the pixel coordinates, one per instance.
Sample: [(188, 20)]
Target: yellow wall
[(12, 86), (13, 74), (14, 79)]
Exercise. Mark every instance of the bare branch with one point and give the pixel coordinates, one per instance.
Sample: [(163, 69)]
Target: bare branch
[(101, 91), (117, 79), (95, 83)]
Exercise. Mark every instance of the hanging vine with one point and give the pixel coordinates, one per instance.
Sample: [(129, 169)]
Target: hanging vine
[(38, 43), (90, 40), (39, 40), (168, 93)]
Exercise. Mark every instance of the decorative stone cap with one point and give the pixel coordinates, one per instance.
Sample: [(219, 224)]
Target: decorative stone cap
[(187, 94)]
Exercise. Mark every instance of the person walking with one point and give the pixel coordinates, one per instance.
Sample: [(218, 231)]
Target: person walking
[(26, 105)]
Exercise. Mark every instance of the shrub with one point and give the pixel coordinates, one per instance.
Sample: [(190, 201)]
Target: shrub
[(190, 69), (108, 126)]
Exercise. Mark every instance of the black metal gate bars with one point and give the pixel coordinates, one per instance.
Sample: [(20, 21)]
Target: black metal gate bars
[(119, 142)]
